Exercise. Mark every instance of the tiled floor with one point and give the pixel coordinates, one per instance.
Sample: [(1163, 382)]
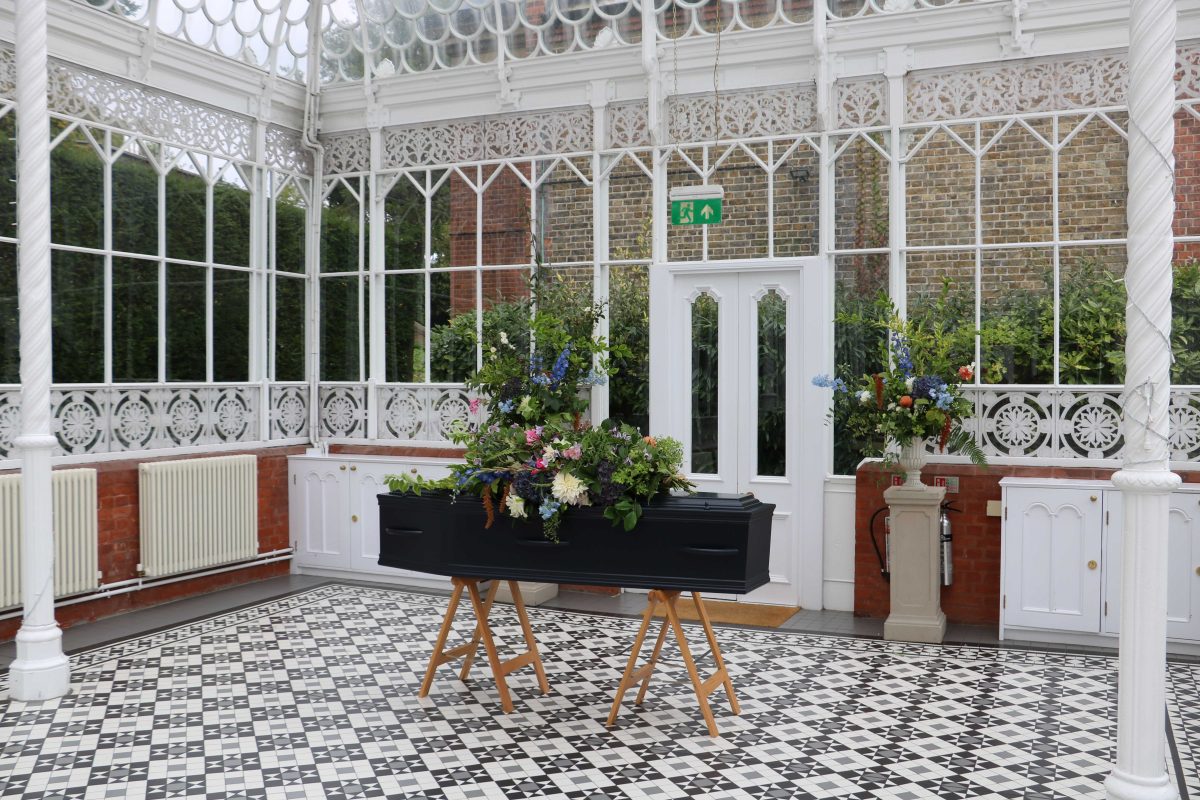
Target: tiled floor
[(840, 623), (314, 695)]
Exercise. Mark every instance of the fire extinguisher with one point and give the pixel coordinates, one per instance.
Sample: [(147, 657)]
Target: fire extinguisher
[(945, 542), (946, 538)]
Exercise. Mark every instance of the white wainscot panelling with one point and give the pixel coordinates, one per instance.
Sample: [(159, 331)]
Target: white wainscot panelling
[(838, 566), (1061, 562), (1052, 553), (334, 516)]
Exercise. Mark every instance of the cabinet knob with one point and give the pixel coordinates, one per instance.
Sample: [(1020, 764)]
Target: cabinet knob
[(1198, 570), (354, 518), (413, 470), (1094, 498), (354, 469), (342, 467), (1092, 565)]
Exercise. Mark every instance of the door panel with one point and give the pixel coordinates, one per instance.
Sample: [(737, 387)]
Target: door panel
[(318, 527), (737, 364), (1183, 560), (1053, 547)]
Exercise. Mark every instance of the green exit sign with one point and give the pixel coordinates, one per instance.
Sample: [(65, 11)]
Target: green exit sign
[(696, 212), (697, 205)]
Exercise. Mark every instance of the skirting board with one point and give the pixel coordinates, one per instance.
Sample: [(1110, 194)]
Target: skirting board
[(1015, 636)]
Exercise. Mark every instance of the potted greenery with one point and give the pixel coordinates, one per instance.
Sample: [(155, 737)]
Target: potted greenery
[(909, 401)]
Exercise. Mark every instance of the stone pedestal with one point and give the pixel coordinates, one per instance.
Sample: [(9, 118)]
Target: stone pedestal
[(916, 582)]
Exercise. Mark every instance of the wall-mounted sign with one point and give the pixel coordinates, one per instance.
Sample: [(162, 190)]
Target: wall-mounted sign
[(697, 205)]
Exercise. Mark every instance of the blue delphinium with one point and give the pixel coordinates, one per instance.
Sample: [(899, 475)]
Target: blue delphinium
[(561, 364), (902, 353), (506, 406), (927, 387), (944, 399), (548, 507), (826, 382)]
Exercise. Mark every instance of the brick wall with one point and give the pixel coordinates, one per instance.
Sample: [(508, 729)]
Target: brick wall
[(974, 598), (119, 551)]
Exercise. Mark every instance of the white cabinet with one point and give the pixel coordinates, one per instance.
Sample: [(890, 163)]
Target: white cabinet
[(334, 514), (1183, 565), (1052, 554), (1061, 552)]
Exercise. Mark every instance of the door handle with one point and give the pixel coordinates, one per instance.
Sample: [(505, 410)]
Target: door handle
[(354, 517)]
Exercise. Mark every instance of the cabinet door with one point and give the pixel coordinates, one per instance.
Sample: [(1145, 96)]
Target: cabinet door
[(1052, 548), (318, 512), (1183, 560), (366, 484)]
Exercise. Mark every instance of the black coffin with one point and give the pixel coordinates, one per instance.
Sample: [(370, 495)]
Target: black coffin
[(700, 542)]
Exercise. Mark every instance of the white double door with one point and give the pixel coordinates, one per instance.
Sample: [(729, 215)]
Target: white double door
[(731, 379)]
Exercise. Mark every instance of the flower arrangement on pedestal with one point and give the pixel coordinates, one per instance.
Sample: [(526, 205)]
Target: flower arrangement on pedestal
[(907, 404), (536, 456)]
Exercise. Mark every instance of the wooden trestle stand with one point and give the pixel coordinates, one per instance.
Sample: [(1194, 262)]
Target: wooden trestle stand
[(483, 632), (633, 674), (703, 687)]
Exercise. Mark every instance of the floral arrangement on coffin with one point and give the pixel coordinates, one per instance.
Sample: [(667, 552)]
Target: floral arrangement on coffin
[(906, 404), (536, 456)]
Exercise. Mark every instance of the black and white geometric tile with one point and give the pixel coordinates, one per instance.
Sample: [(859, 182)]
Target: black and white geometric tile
[(314, 695)]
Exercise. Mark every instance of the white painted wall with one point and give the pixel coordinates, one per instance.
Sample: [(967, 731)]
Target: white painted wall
[(838, 560)]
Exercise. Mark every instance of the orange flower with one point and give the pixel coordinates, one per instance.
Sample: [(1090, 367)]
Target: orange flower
[(650, 440), (906, 402)]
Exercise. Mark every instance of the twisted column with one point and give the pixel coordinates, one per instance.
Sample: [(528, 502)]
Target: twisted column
[(40, 670), (1145, 479)]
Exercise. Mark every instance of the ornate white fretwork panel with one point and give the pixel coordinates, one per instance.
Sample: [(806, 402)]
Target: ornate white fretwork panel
[(110, 420), (343, 411), (289, 411), (628, 125), (1070, 423), (425, 413), (768, 112), (860, 104), (1035, 85), (82, 94), (347, 152), (511, 136), (286, 150)]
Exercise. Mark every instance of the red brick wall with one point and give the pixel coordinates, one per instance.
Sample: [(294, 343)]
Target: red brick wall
[(119, 551), (506, 238), (975, 596)]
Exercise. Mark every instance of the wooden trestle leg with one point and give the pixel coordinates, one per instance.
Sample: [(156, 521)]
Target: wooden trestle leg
[(703, 687), (483, 633)]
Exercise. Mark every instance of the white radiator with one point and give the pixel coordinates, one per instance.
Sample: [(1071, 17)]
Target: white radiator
[(75, 527), (197, 513)]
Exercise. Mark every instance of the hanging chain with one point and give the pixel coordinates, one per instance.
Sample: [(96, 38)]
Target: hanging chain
[(716, 83)]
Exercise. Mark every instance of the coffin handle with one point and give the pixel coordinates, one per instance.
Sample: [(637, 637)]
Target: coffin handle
[(720, 552), (403, 532)]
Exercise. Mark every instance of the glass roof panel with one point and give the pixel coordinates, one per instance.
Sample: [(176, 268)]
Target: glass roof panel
[(268, 34), (391, 37)]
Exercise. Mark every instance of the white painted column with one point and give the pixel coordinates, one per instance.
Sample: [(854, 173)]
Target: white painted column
[(40, 671), (1145, 478)]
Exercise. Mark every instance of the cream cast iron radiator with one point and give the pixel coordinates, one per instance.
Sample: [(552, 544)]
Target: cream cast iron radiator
[(75, 527), (197, 513)]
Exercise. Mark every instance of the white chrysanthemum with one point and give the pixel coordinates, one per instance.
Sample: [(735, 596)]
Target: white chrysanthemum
[(516, 506), (568, 489), (865, 397)]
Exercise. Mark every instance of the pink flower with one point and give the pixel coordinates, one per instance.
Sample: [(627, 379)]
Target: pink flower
[(474, 405), (541, 464), (532, 435), (574, 452)]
